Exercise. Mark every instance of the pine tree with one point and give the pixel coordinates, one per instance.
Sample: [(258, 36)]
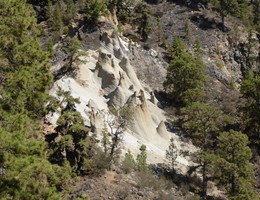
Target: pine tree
[(121, 7), (177, 48), (128, 163), (251, 110), (186, 75), (141, 159), (25, 63), (197, 49), (232, 167), (202, 122), (117, 126), (238, 8), (27, 172), (71, 141), (105, 140), (256, 14), (172, 154), (70, 12), (57, 22), (71, 47), (94, 9), (49, 10), (142, 20), (187, 28), (40, 8), (50, 48)]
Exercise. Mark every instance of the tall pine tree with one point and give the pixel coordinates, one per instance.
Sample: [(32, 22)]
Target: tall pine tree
[(27, 173), (186, 76), (232, 167), (251, 110)]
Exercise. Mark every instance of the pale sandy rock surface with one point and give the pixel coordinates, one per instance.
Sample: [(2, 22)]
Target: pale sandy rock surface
[(107, 78)]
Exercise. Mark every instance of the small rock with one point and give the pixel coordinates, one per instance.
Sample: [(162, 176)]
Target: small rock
[(140, 193), (101, 19)]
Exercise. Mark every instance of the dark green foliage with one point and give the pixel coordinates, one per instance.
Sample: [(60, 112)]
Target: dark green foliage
[(251, 58), (242, 10), (177, 48), (71, 142), (105, 140), (256, 14), (70, 12), (83, 197), (187, 28), (49, 9), (128, 163), (40, 3), (50, 48), (57, 22), (171, 154), (32, 177), (71, 47), (40, 8), (94, 9), (197, 49), (122, 9), (27, 171), (25, 65), (186, 76), (251, 111), (141, 160), (203, 160), (142, 13), (238, 8), (202, 123), (232, 167)]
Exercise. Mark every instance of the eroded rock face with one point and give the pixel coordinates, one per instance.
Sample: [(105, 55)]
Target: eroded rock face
[(108, 79), (123, 89)]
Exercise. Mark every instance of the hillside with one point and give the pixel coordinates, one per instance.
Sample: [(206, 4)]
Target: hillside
[(140, 100)]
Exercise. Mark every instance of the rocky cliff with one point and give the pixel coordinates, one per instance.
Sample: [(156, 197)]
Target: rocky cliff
[(106, 78)]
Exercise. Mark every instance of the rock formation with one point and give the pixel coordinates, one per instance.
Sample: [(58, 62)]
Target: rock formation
[(110, 81)]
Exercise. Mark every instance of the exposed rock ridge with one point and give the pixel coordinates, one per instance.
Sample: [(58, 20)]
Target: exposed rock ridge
[(108, 79)]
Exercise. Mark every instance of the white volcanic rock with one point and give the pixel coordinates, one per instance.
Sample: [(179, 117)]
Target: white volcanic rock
[(108, 79), (162, 131), (126, 66)]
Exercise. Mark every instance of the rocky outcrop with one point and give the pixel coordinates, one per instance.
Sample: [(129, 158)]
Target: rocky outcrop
[(108, 79), (225, 54)]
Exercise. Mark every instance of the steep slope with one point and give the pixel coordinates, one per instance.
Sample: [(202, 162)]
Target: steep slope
[(227, 55), (107, 79)]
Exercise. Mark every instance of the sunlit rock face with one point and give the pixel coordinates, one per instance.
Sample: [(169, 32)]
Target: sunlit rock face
[(107, 79)]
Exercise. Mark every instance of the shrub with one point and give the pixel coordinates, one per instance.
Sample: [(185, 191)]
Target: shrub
[(149, 180), (141, 159), (100, 162), (94, 9), (128, 163), (219, 65)]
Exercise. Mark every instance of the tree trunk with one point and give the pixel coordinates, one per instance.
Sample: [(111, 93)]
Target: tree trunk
[(114, 144), (223, 22), (204, 182)]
